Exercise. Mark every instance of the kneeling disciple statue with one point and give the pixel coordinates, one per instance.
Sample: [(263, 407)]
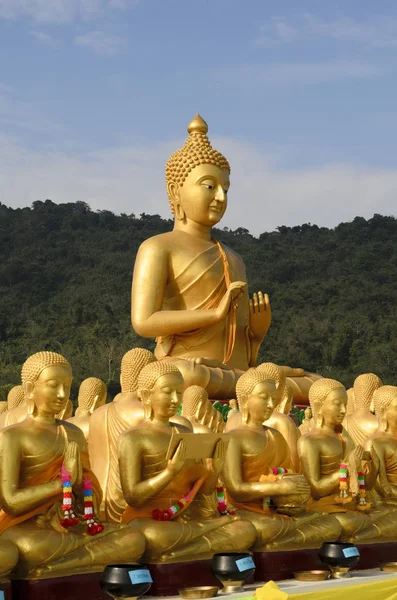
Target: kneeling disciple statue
[(258, 474), (48, 494), (176, 503), (333, 466)]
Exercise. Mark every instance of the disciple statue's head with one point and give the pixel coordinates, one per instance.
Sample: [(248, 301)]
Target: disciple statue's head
[(256, 395), (277, 374), (132, 364), (3, 407), (350, 408), (328, 400), (197, 178), (194, 402), (160, 387), (15, 397), (46, 380), (308, 413), (92, 395), (385, 404), (364, 387), (286, 401)]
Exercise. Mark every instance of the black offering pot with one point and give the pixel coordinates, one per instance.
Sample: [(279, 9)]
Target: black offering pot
[(126, 582), (340, 558), (232, 569)]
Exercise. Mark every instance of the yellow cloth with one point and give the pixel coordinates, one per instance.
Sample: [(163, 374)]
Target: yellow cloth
[(379, 590)]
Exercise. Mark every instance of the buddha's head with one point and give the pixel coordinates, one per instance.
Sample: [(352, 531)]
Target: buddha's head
[(197, 178), (286, 401), (385, 404), (3, 407), (92, 395), (350, 408), (15, 397), (194, 402), (364, 387), (220, 423), (277, 374), (160, 387), (256, 395), (328, 401), (132, 364), (46, 380), (233, 404), (308, 413)]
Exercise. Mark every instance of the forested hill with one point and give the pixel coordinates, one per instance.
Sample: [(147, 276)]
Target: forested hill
[(65, 279)]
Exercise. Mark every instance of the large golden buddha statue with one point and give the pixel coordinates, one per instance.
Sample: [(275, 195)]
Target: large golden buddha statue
[(361, 423), (189, 291), (173, 501), (92, 395), (44, 467), (323, 450), (254, 451)]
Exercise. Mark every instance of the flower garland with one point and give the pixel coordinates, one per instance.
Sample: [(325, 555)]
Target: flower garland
[(343, 497), (271, 478), (168, 513), (93, 525), (69, 518), (362, 503), (221, 501)]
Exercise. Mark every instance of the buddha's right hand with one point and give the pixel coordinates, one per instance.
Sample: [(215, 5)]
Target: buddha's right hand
[(233, 294), (178, 459), (72, 462)]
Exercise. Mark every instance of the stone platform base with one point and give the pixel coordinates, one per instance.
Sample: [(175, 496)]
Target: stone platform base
[(168, 579)]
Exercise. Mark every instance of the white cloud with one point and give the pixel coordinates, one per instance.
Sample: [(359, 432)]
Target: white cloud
[(105, 44), (302, 73), (378, 32), (22, 115), (44, 38), (264, 193), (60, 11)]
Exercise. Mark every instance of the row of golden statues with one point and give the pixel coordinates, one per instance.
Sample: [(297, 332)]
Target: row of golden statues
[(133, 480)]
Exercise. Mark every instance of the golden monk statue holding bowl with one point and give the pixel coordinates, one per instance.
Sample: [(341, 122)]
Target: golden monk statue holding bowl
[(189, 291), (44, 467)]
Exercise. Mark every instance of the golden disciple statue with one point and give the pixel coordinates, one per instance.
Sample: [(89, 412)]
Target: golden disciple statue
[(15, 402), (258, 473), (325, 451), (307, 423), (92, 395), (361, 424), (44, 467), (173, 501), (194, 403), (189, 291)]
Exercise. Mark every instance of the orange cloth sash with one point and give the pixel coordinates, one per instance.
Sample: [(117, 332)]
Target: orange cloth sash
[(51, 473)]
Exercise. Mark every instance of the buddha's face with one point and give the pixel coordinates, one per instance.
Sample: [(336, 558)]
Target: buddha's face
[(308, 413), (391, 414), (165, 396), (261, 402), (50, 392), (203, 195), (333, 409)]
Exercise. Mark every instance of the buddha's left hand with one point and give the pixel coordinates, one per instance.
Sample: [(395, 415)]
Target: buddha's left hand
[(218, 458), (260, 315)]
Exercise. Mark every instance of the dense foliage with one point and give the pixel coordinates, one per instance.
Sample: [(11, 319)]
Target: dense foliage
[(65, 278)]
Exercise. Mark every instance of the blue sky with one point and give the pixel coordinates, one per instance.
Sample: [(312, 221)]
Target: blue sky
[(95, 94)]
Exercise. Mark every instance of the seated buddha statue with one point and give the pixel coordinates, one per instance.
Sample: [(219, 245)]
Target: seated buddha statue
[(109, 422), (307, 423), (323, 450), (173, 501), (92, 395), (193, 406), (278, 420), (44, 467), (251, 484), (15, 404), (361, 423), (189, 291)]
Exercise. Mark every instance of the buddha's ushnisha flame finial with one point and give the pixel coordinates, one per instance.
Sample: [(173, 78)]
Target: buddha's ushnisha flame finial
[(196, 151)]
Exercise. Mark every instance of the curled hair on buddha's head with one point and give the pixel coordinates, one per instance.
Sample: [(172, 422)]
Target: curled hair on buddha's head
[(92, 393), (277, 374), (15, 396), (193, 396), (364, 387), (247, 382), (35, 364), (132, 364), (383, 397), (196, 151), (148, 377)]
